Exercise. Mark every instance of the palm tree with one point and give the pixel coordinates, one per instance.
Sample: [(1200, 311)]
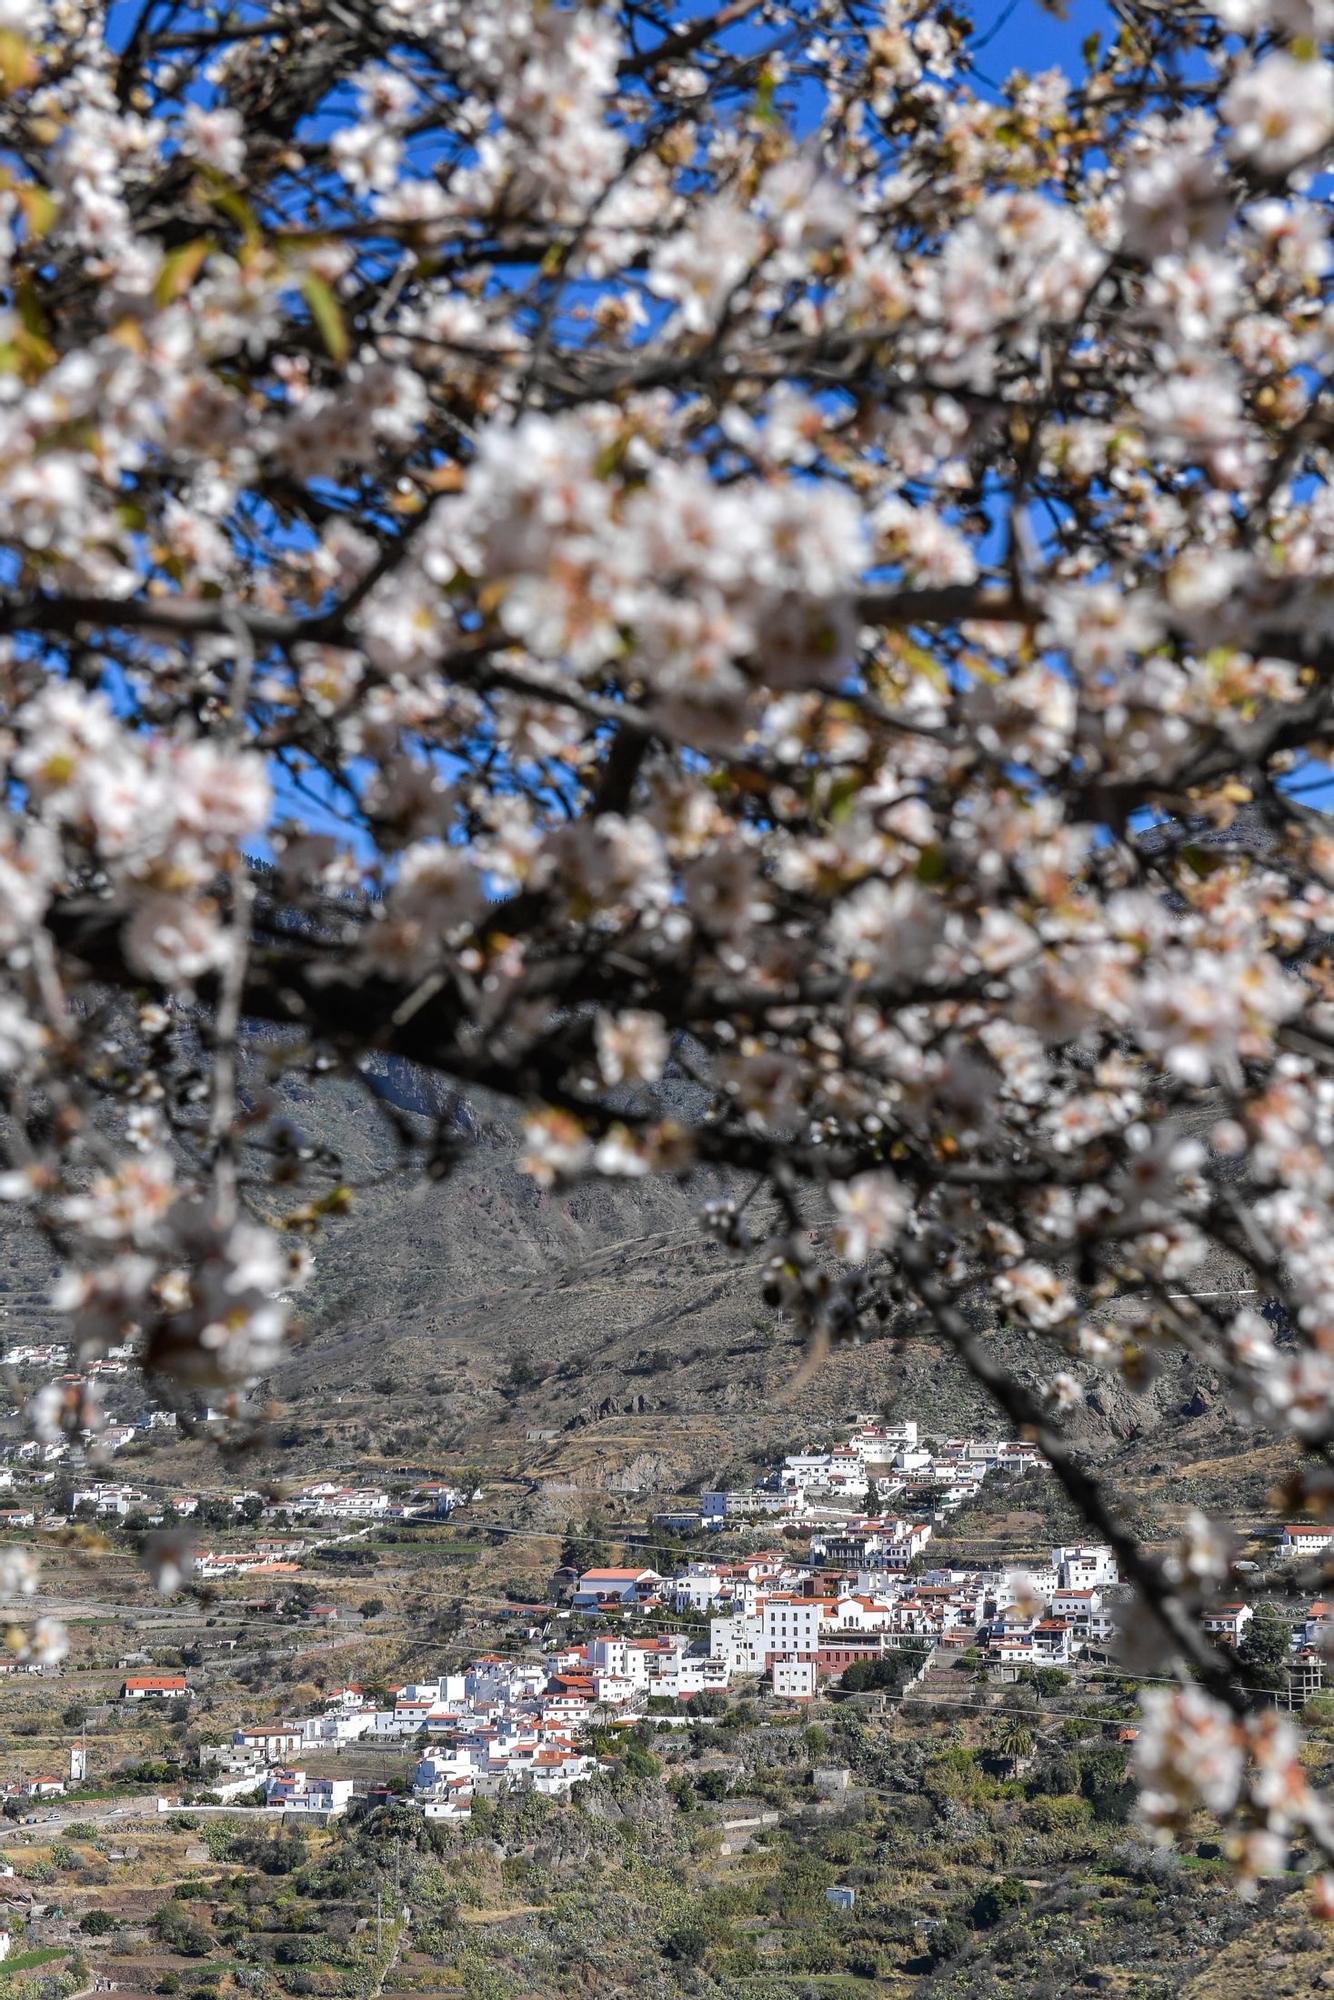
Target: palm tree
[(1012, 1740)]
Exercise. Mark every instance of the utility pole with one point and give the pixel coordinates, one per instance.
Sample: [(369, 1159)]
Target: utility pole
[(379, 1921)]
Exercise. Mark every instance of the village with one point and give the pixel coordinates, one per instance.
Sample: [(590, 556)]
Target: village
[(847, 1600), (863, 1579)]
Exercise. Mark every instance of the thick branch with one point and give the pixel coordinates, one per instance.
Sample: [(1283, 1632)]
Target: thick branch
[(1029, 1418)]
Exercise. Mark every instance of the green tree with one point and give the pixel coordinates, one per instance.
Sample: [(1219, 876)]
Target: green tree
[(585, 1545), (1012, 1739), (181, 1932), (1047, 1680), (998, 1901), (1266, 1648), (1102, 1780)]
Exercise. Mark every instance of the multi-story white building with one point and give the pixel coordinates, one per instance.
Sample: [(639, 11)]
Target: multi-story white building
[(794, 1680), (1085, 1566), (1300, 1538), (792, 1625), (739, 1642), (295, 1792), (273, 1742), (688, 1674)]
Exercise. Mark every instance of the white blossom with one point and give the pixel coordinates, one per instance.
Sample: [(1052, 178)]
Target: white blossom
[(1281, 112)]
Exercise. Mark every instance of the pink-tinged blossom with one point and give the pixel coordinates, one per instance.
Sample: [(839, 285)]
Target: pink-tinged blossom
[(219, 1320), (700, 269), (175, 940), (1189, 1753), (845, 604), (1035, 1294), (1281, 112), (556, 1147), (367, 156), (872, 1209), (1175, 195), (18, 1574), (632, 1047), (215, 137)]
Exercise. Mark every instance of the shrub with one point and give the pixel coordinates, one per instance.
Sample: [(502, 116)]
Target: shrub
[(1102, 1780), (96, 1923), (1047, 1680), (947, 1941), (999, 1901), (181, 1933), (688, 1943)]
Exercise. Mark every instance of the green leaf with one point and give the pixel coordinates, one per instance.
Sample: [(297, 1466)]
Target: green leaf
[(31, 316), (327, 315), (18, 64), (842, 797), (179, 270), (763, 106), (229, 203), (39, 208)]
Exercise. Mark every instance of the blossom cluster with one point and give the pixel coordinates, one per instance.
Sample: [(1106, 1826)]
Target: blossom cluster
[(1191, 1753), (564, 549)]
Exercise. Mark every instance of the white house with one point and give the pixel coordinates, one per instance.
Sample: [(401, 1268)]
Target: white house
[(1085, 1613), (791, 1625), (856, 1613), (274, 1743), (602, 1588), (702, 1585), (293, 1791), (226, 1789), (1085, 1565), (436, 1766), (1301, 1539), (552, 1770), (452, 1801), (1051, 1641), (739, 1643), (1228, 1621), (153, 1687), (911, 1458), (337, 1727), (1317, 1634), (686, 1675), (622, 1659), (794, 1680), (815, 1472)]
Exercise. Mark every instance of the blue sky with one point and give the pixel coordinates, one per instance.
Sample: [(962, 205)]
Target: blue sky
[(1026, 36), (1009, 35)]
